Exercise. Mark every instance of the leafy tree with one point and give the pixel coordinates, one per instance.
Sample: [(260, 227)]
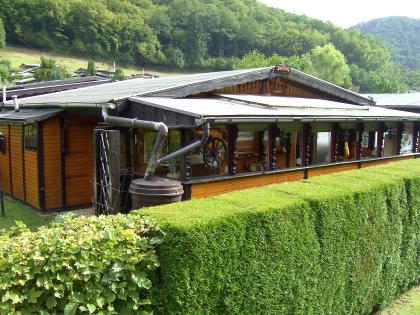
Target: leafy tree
[(197, 43), (50, 70), (256, 59), (387, 79), (175, 57), (2, 35), (91, 69), (119, 75), (329, 64)]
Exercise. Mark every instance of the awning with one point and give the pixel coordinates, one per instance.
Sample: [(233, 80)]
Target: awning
[(28, 116), (247, 108)]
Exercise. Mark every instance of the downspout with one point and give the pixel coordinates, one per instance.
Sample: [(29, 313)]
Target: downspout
[(154, 160)]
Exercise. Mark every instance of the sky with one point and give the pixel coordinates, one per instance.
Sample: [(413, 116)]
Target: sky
[(348, 13)]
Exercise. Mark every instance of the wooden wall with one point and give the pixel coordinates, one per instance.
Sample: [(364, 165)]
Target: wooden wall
[(216, 187), (16, 147), (79, 160), (201, 190), (31, 178), (4, 161), (19, 167), (276, 87), (51, 137)]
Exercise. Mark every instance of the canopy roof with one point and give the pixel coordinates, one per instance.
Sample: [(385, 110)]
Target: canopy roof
[(28, 116), (396, 100), (260, 108)]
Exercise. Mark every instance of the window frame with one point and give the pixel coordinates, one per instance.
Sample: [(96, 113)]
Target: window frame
[(30, 137)]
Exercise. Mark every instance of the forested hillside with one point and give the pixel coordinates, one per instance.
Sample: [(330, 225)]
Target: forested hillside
[(211, 34), (402, 34)]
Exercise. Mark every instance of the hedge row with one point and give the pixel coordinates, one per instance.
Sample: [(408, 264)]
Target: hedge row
[(79, 265), (344, 243)]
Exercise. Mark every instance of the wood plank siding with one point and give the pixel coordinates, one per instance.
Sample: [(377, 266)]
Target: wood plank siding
[(201, 190), (216, 187), (17, 166), (5, 179), (52, 163), (79, 160), (31, 178), (275, 87)]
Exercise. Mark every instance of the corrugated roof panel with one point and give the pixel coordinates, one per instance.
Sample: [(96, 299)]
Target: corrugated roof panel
[(292, 108), (29, 115), (123, 89), (398, 99)]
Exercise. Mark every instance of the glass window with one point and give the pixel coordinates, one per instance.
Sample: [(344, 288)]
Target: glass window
[(323, 147), (369, 140), (252, 150), (31, 137), (407, 139)]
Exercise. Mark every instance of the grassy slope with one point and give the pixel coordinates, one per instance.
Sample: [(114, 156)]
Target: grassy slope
[(16, 210), (19, 55), (407, 304)]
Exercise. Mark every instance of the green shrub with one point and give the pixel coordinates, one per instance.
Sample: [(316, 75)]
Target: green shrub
[(82, 265), (345, 243)]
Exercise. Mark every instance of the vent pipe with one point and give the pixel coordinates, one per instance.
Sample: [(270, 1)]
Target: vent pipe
[(16, 103)]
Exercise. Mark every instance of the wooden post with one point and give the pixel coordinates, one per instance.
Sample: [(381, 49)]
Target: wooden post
[(416, 137), (272, 135), (380, 140), (185, 165), (359, 150), (334, 150), (307, 144), (232, 149), (400, 128)]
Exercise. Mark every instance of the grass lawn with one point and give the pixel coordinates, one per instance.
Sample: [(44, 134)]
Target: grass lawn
[(407, 304), (19, 55), (16, 210)]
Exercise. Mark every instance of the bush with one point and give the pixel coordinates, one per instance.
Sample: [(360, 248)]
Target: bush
[(344, 243), (81, 265)]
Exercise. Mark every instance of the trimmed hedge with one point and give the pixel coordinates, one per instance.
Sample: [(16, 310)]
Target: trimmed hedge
[(100, 265), (345, 243)]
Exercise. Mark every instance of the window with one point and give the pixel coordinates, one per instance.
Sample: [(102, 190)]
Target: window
[(31, 137), (323, 147), (407, 139)]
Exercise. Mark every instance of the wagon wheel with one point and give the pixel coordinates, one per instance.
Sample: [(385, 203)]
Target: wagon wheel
[(214, 152)]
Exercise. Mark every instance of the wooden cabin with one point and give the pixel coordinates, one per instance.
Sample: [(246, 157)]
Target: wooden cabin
[(245, 128)]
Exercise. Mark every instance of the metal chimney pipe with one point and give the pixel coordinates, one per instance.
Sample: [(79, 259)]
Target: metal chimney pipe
[(16, 103)]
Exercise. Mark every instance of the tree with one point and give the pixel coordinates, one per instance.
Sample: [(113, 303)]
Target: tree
[(197, 43), (175, 58), (329, 64), (119, 75), (91, 69), (255, 59), (2, 35), (387, 79), (50, 70)]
